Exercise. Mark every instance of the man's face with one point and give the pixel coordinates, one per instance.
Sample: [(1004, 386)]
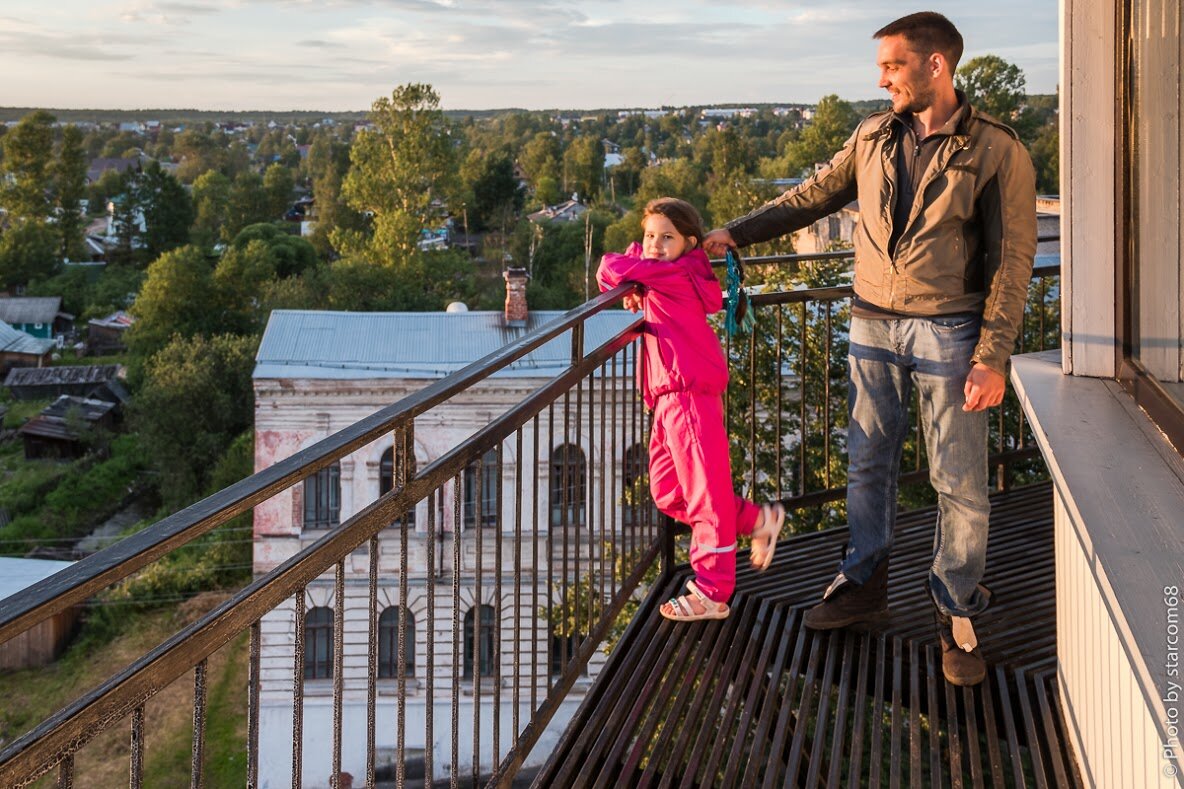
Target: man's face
[(905, 74)]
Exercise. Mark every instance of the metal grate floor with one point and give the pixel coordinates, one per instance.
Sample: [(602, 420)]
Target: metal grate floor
[(758, 700)]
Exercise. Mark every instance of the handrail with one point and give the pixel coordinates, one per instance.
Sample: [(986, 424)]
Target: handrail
[(26, 758), (805, 257), (74, 584)]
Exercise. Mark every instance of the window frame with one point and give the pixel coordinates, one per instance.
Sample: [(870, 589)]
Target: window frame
[(1132, 375), (316, 633)]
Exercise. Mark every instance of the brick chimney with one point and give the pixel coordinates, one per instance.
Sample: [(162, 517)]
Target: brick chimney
[(516, 310)]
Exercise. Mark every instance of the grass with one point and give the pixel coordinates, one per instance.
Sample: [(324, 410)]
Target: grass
[(32, 695)]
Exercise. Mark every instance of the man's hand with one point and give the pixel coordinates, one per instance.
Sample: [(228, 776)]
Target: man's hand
[(717, 241), (633, 302), (984, 388)]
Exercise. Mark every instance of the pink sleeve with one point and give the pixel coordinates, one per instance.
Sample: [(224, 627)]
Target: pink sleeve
[(630, 267)]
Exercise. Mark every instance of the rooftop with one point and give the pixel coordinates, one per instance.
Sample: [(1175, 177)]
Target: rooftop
[(361, 345), (20, 309)]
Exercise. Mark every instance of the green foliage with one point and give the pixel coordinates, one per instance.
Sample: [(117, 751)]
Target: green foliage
[(396, 172), (195, 400), (992, 85), (28, 163), (29, 251), (81, 496), (279, 183), (211, 204), (248, 204), (834, 120), (178, 298), (497, 200), (69, 173), (583, 167), (292, 255)]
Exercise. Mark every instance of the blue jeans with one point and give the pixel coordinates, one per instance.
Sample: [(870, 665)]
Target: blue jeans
[(886, 359)]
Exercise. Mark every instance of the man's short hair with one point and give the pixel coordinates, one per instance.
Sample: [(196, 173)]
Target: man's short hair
[(927, 32)]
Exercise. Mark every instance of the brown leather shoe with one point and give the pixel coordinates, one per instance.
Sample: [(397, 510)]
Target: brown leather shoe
[(848, 603), (961, 662)]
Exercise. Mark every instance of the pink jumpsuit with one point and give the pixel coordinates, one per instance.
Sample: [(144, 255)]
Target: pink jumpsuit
[(684, 374)]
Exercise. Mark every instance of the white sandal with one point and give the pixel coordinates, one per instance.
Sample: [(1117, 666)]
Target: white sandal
[(682, 610), (773, 518)]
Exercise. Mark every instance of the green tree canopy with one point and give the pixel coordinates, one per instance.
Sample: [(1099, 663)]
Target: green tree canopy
[(834, 120), (397, 170), (177, 298), (29, 251), (196, 398), (992, 85), (69, 172), (28, 163)]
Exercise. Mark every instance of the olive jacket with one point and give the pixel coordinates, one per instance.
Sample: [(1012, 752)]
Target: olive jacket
[(970, 239)]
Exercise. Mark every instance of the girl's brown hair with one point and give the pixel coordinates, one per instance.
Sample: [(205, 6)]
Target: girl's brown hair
[(682, 215)]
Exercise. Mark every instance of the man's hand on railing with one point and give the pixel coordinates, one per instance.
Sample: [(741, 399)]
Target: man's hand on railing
[(717, 241), (984, 388)]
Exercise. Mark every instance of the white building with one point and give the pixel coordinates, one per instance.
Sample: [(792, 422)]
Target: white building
[(318, 372)]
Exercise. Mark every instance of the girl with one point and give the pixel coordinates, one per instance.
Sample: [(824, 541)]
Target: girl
[(684, 376)]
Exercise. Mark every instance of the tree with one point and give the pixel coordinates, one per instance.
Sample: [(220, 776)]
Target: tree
[(397, 170), (292, 255), (992, 85), (583, 167), (70, 187), (279, 183), (834, 120), (497, 199), (28, 161), (540, 158), (248, 204), (166, 207), (198, 388), (177, 298), (29, 251), (211, 205)]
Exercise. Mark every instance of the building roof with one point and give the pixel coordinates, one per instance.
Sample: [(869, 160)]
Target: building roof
[(40, 309), (14, 341), (19, 574), (361, 345), (63, 376), (117, 320), (54, 419)]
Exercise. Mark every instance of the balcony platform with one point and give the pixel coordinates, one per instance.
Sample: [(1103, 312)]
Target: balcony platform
[(758, 700)]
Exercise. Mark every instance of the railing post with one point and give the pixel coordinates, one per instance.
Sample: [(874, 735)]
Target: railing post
[(666, 540)]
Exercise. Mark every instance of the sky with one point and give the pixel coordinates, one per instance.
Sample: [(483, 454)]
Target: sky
[(341, 55)]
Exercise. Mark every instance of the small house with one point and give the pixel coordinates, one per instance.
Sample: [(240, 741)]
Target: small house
[(59, 431)]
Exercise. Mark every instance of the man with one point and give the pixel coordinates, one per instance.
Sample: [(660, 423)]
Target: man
[(943, 255)]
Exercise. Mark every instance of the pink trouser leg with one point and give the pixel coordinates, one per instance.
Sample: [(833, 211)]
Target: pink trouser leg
[(691, 481)]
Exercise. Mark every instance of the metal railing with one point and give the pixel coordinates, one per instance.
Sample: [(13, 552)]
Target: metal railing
[(547, 575), (787, 396), (531, 576)]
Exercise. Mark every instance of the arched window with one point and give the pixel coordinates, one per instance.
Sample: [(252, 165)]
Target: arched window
[(318, 643), (633, 476), (386, 479), (322, 498), (482, 481), (485, 638), (568, 485), (388, 644)]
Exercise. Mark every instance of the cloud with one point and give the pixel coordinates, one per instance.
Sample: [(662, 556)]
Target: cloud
[(55, 47)]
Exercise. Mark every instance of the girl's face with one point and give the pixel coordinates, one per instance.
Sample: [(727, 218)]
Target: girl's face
[(661, 241)]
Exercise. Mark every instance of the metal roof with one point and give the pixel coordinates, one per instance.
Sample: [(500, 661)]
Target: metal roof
[(359, 345), (63, 376), (15, 341), (18, 574), (40, 309)]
